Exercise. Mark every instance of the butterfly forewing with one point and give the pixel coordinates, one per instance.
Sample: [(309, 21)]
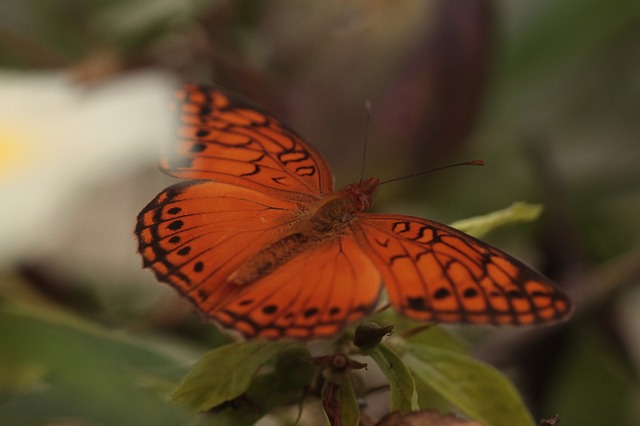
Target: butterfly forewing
[(223, 138), (195, 234), (435, 273)]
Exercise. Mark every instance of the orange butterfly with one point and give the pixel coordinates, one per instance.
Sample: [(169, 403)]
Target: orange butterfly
[(259, 241)]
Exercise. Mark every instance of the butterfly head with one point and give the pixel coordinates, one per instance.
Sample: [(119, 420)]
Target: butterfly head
[(361, 194)]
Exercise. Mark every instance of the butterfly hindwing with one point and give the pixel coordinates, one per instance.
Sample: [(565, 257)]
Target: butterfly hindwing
[(435, 273), (315, 294), (224, 138)]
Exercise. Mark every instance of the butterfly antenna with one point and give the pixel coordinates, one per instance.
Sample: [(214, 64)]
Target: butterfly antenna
[(465, 163), (367, 109)]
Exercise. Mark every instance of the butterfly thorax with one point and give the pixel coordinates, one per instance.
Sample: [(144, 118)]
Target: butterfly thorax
[(337, 211), (329, 219)]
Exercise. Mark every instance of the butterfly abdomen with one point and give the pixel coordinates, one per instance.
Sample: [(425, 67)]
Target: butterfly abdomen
[(271, 257)]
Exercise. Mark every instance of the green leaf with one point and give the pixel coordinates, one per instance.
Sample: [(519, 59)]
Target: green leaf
[(477, 389), (419, 332), (349, 408), (440, 338), (225, 373), (515, 213), (282, 387), (293, 369), (403, 388), (65, 370), (432, 335), (262, 396)]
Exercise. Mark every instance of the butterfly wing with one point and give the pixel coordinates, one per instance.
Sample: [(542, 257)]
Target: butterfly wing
[(254, 182), (315, 294), (193, 235), (225, 138), (435, 273)]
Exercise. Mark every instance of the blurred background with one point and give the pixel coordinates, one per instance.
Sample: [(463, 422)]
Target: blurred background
[(547, 93)]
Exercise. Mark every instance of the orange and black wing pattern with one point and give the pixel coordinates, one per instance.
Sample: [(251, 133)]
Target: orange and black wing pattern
[(224, 138), (194, 234), (315, 294), (435, 273), (243, 241)]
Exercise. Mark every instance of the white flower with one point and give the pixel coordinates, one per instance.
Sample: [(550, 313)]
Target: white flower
[(58, 139)]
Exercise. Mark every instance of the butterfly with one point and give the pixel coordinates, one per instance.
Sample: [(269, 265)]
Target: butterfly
[(258, 240)]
